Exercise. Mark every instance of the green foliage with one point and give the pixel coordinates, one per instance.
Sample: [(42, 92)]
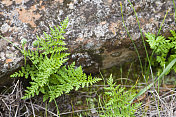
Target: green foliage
[(117, 101), (165, 49), (48, 73)]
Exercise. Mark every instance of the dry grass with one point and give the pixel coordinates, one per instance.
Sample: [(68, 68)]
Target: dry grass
[(11, 104), (158, 105)]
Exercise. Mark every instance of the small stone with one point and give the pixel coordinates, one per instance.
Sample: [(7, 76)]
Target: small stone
[(5, 27)]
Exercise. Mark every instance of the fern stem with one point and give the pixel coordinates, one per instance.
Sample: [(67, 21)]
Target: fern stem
[(57, 107), (100, 104), (55, 102)]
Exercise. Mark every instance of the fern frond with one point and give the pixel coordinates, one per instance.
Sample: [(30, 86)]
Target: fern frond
[(48, 73), (117, 100), (17, 74), (31, 91), (165, 49)]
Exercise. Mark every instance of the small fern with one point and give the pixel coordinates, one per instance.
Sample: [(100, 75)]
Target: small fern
[(48, 73), (165, 49), (117, 101)]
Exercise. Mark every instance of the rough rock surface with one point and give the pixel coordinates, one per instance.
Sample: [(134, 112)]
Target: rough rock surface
[(96, 36)]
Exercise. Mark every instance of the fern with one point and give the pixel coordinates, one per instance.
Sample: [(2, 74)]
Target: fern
[(117, 101), (165, 49), (48, 73)]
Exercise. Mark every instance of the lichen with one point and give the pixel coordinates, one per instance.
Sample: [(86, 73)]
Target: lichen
[(93, 25)]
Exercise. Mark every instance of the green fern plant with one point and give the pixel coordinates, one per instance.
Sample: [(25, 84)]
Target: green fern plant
[(116, 102), (48, 73), (165, 49)]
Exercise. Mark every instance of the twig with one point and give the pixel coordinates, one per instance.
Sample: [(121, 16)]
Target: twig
[(43, 109), (76, 111), (6, 104), (16, 111), (15, 87), (10, 111), (32, 108), (157, 95), (27, 110)]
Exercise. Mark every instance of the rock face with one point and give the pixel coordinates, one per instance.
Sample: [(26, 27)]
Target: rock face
[(95, 35)]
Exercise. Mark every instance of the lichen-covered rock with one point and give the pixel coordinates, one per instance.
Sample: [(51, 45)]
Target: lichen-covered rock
[(96, 36)]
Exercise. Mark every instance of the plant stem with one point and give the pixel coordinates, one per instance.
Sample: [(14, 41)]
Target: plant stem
[(11, 43), (142, 38), (162, 23), (55, 102), (46, 109), (175, 10), (131, 39), (22, 51)]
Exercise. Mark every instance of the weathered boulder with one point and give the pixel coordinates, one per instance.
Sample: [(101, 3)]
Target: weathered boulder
[(95, 35)]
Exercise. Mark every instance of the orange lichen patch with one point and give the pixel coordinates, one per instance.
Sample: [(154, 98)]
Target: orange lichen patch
[(6, 2), (27, 16), (153, 20), (102, 23), (8, 61), (112, 28), (42, 7), (34, 49), (142, 20), (87, 41), (115, 26), (109, 1), (79, 39)]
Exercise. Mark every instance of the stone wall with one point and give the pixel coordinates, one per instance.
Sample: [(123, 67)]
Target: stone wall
[(95, 35)]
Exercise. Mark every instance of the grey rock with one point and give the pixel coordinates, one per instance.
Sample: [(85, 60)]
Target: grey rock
[(95, 31)]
